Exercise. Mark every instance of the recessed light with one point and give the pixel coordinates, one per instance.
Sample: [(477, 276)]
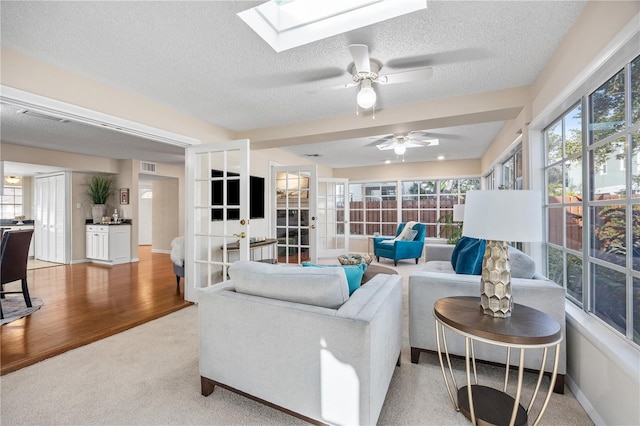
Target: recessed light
[(440, 157), (387, 161)]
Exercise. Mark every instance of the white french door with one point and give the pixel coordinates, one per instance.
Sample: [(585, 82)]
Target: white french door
[(333, 217), (294, 203), (217, 211)]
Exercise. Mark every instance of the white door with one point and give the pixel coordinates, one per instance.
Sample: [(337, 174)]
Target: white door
[(333, 217), (218, 211), (145, 216), (294, 201), (51, 221)]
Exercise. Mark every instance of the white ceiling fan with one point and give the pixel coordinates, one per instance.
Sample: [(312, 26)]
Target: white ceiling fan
[(399, 142), (365, 73)]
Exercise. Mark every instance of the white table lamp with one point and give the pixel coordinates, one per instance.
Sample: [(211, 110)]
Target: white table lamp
[(499, 216), (458, 212)]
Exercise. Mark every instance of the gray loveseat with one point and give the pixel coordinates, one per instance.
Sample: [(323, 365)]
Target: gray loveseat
[(293, 337), (439, 280)]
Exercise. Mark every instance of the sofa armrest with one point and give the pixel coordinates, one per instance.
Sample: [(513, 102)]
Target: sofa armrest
[(298, 356), (438, 251)]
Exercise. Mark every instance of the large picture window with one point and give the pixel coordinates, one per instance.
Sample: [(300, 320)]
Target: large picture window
[(376, 207), (592, 181)]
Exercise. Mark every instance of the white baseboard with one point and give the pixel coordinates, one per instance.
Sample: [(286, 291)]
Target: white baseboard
[(73, 262), (160, 251), (582, 399)]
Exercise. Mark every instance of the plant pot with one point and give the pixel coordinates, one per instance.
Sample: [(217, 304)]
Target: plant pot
[(97, 211)]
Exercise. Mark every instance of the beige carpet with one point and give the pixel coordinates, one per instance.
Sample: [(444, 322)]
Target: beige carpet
[(149, 375)]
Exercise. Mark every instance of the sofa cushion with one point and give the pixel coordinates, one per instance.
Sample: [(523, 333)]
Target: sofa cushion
[(353, 272), (442, 266), (467, 256), (326, 287), (522, 266)]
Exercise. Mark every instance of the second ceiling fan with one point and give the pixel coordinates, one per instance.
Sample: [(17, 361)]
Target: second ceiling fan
[(399, 142)]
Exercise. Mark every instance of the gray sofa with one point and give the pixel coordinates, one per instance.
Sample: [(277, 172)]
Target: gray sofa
[(439, 280), (293, 338)]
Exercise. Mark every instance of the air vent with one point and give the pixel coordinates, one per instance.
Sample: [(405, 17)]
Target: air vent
[(147, 167)]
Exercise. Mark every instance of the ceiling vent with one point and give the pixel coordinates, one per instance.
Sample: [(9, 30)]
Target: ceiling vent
[(147, 167)]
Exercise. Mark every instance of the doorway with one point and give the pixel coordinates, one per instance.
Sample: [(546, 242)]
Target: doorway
[(158, 215)]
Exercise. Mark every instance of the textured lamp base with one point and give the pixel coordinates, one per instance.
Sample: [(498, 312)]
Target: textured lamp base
[(495, 295)]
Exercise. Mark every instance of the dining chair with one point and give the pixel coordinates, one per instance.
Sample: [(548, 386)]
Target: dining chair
[(14, 252)]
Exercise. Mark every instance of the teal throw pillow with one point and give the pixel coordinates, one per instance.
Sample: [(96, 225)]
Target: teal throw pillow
[(467, 255), (354, 273)]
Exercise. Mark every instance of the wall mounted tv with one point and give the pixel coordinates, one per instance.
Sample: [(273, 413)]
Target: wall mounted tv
[(256, 196)]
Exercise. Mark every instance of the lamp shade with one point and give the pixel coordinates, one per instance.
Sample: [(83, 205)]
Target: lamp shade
[(458, 213), (501, 215)]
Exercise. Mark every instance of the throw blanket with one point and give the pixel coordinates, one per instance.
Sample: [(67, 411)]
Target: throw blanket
[(407, 228), (177, 251)]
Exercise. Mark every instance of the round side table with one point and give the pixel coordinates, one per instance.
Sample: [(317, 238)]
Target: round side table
[(527, 328)]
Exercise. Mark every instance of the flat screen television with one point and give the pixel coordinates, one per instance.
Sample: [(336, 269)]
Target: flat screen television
[(256, 196)]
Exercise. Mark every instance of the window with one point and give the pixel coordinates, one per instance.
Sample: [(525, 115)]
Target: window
[(11, 200), (596, 256), (512, 170), (374, 206), (431, 201)]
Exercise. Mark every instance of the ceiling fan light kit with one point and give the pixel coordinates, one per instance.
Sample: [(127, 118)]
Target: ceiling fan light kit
[(400, 149), (366, 96), (366, 71)]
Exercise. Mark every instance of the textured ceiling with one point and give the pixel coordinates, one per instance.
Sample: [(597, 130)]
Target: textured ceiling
[(201, 59)]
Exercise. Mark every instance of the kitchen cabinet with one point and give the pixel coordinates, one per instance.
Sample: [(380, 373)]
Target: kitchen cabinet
[(110, 244)]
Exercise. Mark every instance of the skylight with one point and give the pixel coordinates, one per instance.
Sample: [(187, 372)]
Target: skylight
[(285, 24)]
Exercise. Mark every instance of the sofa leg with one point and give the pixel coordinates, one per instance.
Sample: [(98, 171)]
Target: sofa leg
[(378, 259), (395, 263), (559, 385), (178, 283), (398, 362), (417, 260), (415, 355), (206, 386)]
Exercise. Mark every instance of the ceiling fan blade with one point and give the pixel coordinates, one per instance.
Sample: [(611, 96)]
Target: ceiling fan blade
[(330, 88), (360, 54), (406, 76), (422, 143), (387, 145)]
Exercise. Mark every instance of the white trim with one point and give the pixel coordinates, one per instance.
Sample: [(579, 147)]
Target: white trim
[(582, 399), (160, 251), (614, 347), (582, 82), (66, 111)]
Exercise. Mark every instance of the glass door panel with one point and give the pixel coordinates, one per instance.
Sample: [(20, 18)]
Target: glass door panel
[(295, 205)]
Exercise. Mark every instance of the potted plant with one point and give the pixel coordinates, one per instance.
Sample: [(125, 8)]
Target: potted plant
[(451, 230), (98, 190)]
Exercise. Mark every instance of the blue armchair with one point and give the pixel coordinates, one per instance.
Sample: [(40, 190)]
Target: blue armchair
[(401, 249)]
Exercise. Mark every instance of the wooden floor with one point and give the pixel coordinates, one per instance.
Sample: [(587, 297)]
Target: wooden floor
[(87, 302)]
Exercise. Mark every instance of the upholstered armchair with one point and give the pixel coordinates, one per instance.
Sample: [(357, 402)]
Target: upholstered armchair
[(406, 244)]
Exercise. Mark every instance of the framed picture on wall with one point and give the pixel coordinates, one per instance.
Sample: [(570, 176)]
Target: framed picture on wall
[(124, 195)]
